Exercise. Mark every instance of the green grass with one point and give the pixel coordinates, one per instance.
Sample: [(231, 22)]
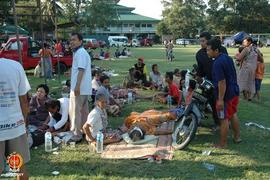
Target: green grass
[(248, 160)]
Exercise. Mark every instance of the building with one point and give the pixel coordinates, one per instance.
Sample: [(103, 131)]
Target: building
[(130, 24)]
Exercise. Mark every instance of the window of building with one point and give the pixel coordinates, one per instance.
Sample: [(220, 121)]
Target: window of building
[(125, 25), (131, 25), (143, 25), (149, 25), (137, 25)]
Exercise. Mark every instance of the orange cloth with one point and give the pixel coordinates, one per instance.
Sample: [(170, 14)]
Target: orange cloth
[(148, 120), (260, 70)]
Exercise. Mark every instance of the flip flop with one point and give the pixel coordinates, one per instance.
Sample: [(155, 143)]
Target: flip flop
[(237, 141), (218, 146)]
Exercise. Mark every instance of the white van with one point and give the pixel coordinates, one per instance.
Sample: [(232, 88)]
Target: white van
[(116, 41)]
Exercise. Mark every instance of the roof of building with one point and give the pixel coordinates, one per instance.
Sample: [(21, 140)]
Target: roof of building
[(136, 17), (120, 7)]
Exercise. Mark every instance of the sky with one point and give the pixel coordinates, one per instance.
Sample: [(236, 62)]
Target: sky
[(150, 8)]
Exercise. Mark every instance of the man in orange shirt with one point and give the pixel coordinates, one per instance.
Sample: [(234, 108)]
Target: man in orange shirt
[(259, 75)]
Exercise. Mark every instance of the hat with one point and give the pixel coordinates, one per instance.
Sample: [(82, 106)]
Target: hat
[(141, 59)]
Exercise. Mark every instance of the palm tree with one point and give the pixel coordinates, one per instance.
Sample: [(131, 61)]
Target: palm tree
[(50, 8)]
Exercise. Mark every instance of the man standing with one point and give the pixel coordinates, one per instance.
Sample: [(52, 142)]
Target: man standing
[(80, 86), (226, 92), (205, 65), (13, 109), (170, 50), (58, 47)]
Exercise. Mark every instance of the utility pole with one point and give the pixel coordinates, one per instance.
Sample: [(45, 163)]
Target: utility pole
[(56, 37), (42, 40), (17, 32)]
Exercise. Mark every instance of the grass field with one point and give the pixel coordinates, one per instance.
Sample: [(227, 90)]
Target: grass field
[(248, 160)]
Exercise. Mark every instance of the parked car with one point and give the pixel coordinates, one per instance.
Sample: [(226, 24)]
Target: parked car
[(116, 41), (102, 43), (90, 43), (182, 41), (30, 56), (134, 43), (267, 42), (146, 42), (228, 42)]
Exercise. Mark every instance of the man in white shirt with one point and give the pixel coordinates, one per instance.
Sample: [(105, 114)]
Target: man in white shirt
[(58, 114), (13, 112), (81, 78)]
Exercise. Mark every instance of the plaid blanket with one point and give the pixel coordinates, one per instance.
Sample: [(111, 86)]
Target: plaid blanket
[(160, 147)]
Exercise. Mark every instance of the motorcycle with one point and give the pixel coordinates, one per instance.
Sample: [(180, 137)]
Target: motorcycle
[(186, 125)]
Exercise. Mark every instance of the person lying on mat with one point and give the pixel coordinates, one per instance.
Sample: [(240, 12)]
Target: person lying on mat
[(98, 120), (140, 124)]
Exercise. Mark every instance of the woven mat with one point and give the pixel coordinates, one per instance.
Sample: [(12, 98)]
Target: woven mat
[(159, 147)]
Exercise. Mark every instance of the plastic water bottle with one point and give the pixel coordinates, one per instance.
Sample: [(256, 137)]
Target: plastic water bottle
[(99, 145), (169, 101), (48, 142), (130, 98)]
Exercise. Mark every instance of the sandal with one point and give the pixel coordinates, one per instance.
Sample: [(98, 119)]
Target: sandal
[(237, 141)]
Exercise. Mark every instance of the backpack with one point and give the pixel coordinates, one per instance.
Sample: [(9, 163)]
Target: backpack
[(38, 137)]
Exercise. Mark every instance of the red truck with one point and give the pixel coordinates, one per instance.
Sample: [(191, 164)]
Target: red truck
[(30, 56)]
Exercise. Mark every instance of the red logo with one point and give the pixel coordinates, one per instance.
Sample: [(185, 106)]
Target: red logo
[(15, 161)]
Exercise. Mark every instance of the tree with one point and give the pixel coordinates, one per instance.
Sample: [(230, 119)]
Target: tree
[(162, 28), (90, 13), (5, 11), (234, 15), (183, 18), (50, 9)]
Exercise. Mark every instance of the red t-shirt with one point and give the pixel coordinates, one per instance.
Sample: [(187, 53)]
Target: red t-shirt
[(174, 92), (58, 48)]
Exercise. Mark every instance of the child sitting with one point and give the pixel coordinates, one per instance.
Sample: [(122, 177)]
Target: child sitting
[(66, 87), (173, 92), (156, 78), (177, 77), (95, 83), (113, 107), (97, 120)]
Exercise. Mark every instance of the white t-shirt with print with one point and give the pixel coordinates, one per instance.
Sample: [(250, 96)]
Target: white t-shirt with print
[(13, 83), (95, 119), (81, 59), (64, 106)]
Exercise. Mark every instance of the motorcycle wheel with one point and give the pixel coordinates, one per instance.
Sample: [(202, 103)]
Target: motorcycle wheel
[(184, 131)]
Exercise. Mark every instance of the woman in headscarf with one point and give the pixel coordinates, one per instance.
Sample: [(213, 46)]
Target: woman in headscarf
[(248, 60)]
